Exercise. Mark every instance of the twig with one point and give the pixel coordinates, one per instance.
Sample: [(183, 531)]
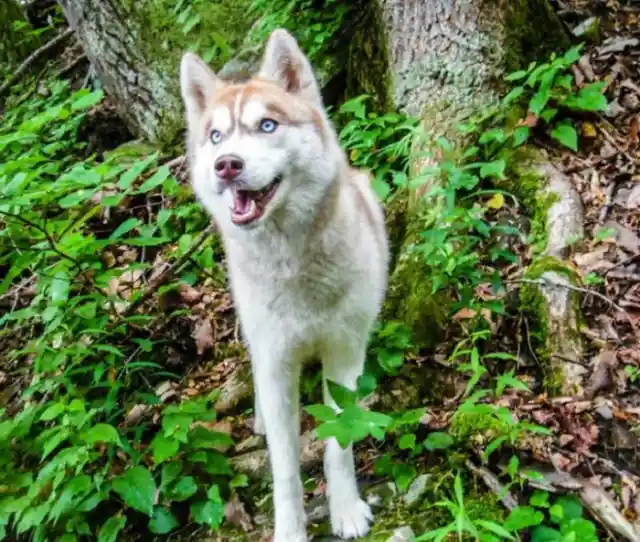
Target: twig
[(176, 162), (568, 359), (33, 57), (169, 272), (43, 230), (494, 485), (622, 263), (608, 201)]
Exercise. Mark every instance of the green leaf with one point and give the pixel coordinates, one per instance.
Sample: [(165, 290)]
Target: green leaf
[(538, 102), (403, 474), (407, 442), (323, 413), (52, 412), (343, 396), (438, 441), (109, 531), (523, 517), (495, 528), (493, 169), (155, 180), (184, 489), (239, 480), (129, 176), (164, 448), (545, 534), (520, 135), (539, 499), (163, 521), (102, 432), (170, 471), (86, 100), (565, 508), (516, 76), (137, 489), (125, 227), (208, 513), (566, 135), (583, 529)]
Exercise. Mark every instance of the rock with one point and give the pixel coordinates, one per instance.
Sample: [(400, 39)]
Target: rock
[(250, 443), (416, 490), (381, 495), (589, 29), (604, 412), (633, 201), (403, 534)]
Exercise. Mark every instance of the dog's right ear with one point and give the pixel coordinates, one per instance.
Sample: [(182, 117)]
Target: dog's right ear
[(197, 84)]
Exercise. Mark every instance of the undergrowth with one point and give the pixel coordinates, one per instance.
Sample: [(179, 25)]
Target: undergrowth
[(85, 351)]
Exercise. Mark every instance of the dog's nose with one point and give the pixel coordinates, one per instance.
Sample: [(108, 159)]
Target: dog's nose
[(228, 167)]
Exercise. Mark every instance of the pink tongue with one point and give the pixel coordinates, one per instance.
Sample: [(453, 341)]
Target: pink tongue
[(241, 203)]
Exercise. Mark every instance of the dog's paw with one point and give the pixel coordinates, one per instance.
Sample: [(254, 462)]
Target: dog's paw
[(351, 519)]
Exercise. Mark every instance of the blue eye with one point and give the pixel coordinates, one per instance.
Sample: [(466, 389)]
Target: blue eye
[(216, 137), (268, 125)]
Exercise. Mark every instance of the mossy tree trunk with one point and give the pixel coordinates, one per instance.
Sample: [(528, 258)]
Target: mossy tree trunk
[(442, 61), (13, 45), (135, 48)]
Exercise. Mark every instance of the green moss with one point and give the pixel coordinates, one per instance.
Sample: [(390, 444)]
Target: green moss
[(524, 22), (368, 61), (543, 337)]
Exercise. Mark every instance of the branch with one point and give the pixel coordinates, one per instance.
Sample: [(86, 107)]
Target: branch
[(33, 57), (50, 239)]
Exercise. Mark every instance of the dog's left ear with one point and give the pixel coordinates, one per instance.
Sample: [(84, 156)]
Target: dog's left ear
[(286, 65)]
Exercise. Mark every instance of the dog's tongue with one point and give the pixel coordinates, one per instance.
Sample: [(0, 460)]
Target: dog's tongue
[(244, 208)]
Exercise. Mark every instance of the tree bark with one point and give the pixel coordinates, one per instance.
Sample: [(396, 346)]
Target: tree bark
[(135, 48), (441, 61)]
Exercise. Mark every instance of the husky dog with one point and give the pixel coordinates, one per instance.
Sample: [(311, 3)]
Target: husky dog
[(307, 252)]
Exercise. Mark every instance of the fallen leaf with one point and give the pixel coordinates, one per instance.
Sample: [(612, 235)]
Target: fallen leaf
[(634, 128), (496, 202), (589, 130), (189, 294), (236, 514), (464, 314), (203, 336)]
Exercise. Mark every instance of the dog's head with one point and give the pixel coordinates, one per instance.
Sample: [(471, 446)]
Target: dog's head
[(262, 149)]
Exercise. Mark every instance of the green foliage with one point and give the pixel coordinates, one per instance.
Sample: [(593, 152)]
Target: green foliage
[(314, 24), (66, 451), (378, 143)]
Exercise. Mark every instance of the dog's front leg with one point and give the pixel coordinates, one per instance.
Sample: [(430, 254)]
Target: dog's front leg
[(276, 379), (343, 363)]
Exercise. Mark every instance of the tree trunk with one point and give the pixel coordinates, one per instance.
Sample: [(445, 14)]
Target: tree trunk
[(441, 61), (15, 45), (135, 48)]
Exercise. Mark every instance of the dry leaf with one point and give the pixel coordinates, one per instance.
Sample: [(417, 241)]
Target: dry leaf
[(189, 294), (589, 130), (464, 314), (204, 336), (634, 128), (236, 514)]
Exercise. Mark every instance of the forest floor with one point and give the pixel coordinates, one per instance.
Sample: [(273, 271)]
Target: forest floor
[(592, 449)]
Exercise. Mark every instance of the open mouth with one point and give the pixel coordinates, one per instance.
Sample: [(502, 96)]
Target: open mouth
[(249, 205)]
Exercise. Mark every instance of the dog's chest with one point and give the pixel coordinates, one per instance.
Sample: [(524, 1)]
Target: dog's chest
[(310, 289)]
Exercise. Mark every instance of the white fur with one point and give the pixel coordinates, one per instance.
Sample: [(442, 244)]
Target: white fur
[(307, 281)]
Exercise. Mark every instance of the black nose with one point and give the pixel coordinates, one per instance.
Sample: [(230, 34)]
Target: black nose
[(228, 167)]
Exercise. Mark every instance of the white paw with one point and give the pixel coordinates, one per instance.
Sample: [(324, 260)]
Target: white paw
[(293, 537), (351, 519)]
